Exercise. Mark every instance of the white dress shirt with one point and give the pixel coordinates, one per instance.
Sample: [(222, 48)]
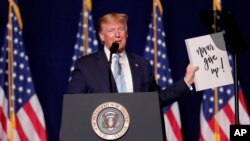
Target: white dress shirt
[(125, 68)]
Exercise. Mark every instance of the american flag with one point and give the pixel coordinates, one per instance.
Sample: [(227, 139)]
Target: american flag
[(156, 52), (218, 105), (21, 115), (86, 41)]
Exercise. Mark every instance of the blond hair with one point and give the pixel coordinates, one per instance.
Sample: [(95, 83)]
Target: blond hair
[(113, 17)]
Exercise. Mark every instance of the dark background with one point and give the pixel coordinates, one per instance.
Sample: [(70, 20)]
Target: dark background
[(50, 28)]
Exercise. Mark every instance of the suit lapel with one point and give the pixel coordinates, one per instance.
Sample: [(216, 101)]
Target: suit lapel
[(102, 62), (135, 70)]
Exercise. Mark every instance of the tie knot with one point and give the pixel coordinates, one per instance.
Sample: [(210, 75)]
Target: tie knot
[(116, 57)]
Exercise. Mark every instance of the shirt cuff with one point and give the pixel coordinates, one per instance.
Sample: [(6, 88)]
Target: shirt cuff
[(190, 86)]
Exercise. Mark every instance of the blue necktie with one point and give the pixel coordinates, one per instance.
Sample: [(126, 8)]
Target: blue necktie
[(118, 74)]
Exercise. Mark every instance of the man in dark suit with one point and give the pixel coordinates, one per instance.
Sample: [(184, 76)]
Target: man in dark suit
[(92, 75)]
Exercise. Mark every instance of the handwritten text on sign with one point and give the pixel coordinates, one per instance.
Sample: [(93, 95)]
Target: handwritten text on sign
[(209, 58), (209, 53)]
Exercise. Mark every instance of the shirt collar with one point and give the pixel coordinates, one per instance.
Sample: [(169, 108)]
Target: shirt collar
[(107, 52)]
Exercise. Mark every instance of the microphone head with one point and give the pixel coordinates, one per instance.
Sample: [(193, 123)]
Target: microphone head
[(114, 47)]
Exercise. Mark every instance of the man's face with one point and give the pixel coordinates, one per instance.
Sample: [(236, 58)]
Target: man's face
[(114, 32)]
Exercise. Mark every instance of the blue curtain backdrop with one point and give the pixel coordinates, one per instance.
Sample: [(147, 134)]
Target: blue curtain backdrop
[(50, 28)]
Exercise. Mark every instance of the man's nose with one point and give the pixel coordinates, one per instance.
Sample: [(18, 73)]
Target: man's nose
[(117, 33)]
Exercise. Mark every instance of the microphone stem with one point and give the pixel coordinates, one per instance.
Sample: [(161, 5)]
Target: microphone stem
[(111, 87)]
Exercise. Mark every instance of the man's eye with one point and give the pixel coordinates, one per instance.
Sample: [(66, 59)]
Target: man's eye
[(121, 29), (110, 31)]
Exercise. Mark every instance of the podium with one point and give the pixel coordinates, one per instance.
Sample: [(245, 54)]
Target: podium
[(140, 114)]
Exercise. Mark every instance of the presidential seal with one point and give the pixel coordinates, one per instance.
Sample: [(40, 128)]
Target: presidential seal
[(110, 120)]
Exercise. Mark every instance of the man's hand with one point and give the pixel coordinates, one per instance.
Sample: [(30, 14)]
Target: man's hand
[(189, 76)]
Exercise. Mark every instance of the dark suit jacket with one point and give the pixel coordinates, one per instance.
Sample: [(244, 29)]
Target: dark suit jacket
[(91, 75)]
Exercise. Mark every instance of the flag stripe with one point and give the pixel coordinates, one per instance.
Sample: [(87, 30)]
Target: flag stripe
[(206, 132), (3, 111), (20, 130), (243, 113), (211, 125), (16, 136), (3, 121), (170, 131), (3, 135), (229, 112), (242, 101), (37, 110), (175, 106), (34, 119), (224, 119), (174, 124)]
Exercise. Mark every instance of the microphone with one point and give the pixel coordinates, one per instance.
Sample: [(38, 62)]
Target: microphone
[(113, 49)]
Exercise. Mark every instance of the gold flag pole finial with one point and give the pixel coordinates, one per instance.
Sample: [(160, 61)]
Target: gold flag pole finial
[(17, 12), (159, 5), (88, 4)]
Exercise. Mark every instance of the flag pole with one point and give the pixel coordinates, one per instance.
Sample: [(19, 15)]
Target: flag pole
[(85, 27), (216, 104), (10, 77), (155, 40), (156, 3), (237, 122)]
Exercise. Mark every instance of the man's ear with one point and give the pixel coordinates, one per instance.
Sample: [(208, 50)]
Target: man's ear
[(101, 36)]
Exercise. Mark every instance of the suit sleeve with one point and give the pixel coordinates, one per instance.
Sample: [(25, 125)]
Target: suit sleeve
[(177, 91), (77, 83)]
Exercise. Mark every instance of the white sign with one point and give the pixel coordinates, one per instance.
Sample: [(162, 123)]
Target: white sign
[(209, 53)]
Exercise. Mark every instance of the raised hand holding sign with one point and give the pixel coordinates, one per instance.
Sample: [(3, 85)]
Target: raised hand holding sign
[(209, 53)]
